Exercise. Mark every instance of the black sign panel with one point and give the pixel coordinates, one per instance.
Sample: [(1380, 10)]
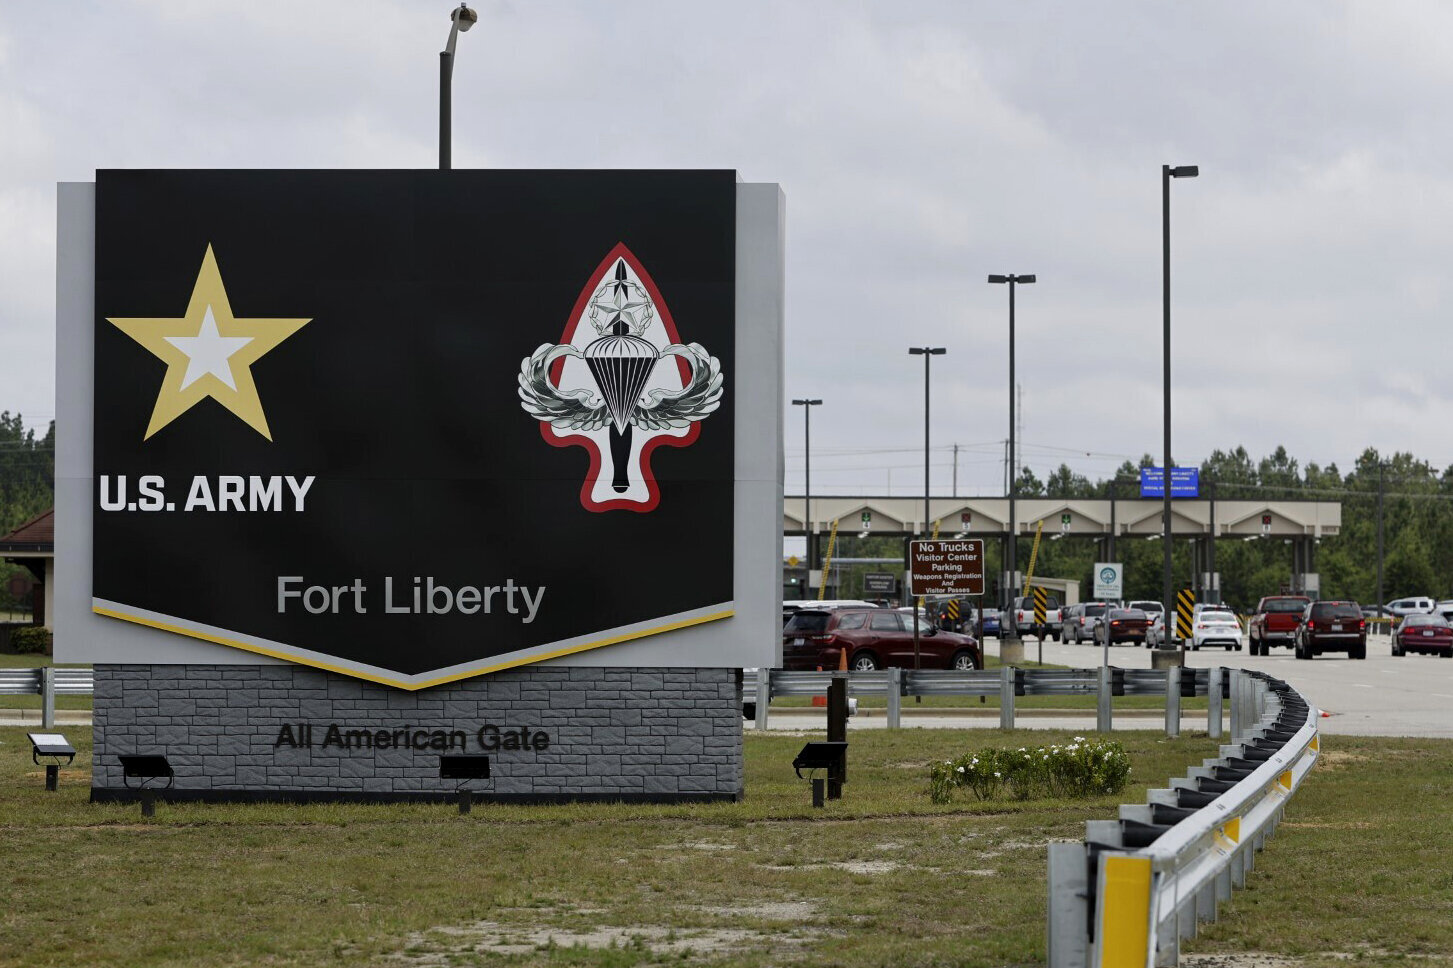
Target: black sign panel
[(414, 425), (954, 567)]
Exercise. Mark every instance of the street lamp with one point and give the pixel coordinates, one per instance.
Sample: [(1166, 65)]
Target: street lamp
[(1167, 172), (460, 20), (1011, 563), (807, 406), (926, 352)]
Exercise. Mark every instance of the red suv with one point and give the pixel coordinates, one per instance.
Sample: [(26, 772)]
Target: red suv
[(1332, 627), (874, 638)]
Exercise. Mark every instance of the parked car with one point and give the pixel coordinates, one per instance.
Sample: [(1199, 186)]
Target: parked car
[(1430, 634), (1080, 621), (1417, 605), (791, 607), (1123, 625), (1021, 618), (1216, 626), (872, 638), (1444, 609), (1275, 622), (991, 622), (1148, 607), (1155, 632), (1332, 627)]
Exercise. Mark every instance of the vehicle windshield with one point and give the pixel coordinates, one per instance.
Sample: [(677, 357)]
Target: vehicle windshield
[(1093, 609), (1424, 620), (1210, 616), (807, 622), (1284, 605), (1336, 610)]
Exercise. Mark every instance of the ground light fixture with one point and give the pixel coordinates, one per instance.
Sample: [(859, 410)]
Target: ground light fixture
[(52, 746), (1011, 559), (927, 352), (461, 19), (1167, 172)]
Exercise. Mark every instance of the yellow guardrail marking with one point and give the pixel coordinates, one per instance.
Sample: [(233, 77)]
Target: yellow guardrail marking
[(1125, 913)]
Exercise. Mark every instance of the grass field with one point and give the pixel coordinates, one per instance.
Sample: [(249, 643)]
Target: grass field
[(1361, 869)]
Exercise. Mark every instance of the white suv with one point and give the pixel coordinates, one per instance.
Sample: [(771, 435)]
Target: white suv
[(1411, 606)]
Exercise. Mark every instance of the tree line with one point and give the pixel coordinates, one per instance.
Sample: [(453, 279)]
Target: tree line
[(1417, 511), (27, 484)]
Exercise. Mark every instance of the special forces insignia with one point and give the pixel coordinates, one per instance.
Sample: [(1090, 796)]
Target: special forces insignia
[(621, 385)]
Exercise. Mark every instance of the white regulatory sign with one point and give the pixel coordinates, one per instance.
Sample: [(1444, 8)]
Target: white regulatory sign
[(1109, 579)]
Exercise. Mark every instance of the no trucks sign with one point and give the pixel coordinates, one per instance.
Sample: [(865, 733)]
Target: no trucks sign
[(946, 567)]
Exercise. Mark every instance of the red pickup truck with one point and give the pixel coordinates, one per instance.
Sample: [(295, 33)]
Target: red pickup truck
[(1275, 622)]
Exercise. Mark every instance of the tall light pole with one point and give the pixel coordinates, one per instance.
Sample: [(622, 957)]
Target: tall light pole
[(807, 406), (461, 20), (926, 352), (1011, 563), (1167, 172)]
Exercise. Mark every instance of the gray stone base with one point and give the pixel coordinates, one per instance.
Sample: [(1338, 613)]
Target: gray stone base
[(551, 734)]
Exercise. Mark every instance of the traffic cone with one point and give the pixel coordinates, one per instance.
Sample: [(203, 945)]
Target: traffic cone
[(842, 660)]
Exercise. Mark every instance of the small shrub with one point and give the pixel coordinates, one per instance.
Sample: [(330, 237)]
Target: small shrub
[(32, 639), (1083, 768)]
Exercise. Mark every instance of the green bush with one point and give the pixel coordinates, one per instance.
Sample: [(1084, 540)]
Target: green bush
[(32, 639), (1083, 768)]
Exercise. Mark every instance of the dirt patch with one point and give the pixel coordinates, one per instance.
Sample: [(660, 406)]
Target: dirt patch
[(701, 845), (1335, 759), (798, 911), (443, 946), (1345, 825), (1245, 959)]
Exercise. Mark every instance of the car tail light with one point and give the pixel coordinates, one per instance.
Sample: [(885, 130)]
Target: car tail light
[(1362, 624), (1311, 625)]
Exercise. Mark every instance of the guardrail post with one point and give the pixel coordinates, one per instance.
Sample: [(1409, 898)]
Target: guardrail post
[(764, 695), (47, 697), (895, 698), (1069, 892), (1102, 704), (1236, 701), (1214, 701), (1173, 701), (1006, 697)]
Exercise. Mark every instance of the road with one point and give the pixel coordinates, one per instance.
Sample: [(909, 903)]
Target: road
[(1376, 696)]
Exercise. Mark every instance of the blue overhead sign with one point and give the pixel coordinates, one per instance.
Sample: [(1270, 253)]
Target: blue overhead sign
[(1184, 482)]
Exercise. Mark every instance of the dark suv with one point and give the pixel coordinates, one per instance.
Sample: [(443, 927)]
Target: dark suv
[(1331, 627), (873, 638)]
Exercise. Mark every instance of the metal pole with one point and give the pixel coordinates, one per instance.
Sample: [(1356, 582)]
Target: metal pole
[(807, 486), (1013, 470), (926, 357), (446, 72), (1379, 537), (1215, 595), (1165, 470)]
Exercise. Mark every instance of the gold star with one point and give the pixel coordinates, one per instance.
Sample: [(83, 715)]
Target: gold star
[(208, 352)]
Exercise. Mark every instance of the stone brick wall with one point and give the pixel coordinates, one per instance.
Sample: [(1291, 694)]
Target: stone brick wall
[(238, 732)]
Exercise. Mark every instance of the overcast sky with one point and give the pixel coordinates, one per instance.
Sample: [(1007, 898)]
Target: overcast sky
[(921, 146)]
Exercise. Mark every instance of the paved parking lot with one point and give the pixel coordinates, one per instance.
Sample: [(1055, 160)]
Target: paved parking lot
[(1376, 696)]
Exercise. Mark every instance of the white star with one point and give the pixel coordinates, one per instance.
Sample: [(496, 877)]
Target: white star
[(208, 352)]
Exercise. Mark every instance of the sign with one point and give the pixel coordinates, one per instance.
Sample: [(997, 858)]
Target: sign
[(1109, 580), (396, 424), (946, 567), (867, 520), (1041, 604), (880, 582), (1185, 612), (1184, 482), (1064, 521)]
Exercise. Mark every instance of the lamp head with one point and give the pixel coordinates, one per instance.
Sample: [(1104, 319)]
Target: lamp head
[(1185, 171), (464, 18), (997, 278)]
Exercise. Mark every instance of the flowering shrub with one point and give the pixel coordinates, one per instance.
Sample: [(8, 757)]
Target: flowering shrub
[(1083, 768)]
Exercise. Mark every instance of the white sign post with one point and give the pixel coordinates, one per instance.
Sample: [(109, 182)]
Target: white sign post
[(1109, 580)]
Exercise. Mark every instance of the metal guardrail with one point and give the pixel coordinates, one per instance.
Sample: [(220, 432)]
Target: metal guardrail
[(47, 682), (1007, 683), (1137, 886)]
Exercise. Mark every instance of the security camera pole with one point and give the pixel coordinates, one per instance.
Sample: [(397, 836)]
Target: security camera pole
[(462, 19)]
